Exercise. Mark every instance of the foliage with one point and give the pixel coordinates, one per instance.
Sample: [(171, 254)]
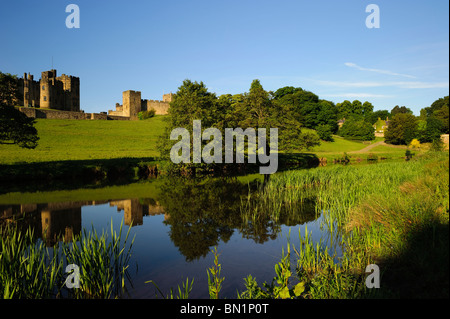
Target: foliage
[(9, 90), (103, 262), (144, 115), (17, 128), (28, 269), (214, 279), (306, 107), (415, 143), (400, 110), (348, 109), (325, 132), (254, 109), (280, 286), (356, 128), (437, 145), (183, 292), (432, 130), (308, 140), (402, 129)]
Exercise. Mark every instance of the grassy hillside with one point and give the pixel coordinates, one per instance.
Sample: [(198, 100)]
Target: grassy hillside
[(73, 140), (85, 140)]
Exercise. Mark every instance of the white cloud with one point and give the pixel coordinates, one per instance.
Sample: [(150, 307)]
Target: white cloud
[(402, 85), (355, 66), (357, 95)]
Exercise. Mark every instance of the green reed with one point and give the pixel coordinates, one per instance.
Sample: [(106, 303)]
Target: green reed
[(29, 269), (369, 211)]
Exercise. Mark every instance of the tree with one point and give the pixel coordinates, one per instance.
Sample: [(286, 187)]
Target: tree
[(15, 126), (9, 90), (432, 130), (439, 109), (325, 132), (402, 129), (400, 109), (380, 114), (327, 115), (356, 128), (344, 109)]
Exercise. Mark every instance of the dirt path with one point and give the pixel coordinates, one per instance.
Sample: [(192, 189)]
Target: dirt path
[(368, 148)]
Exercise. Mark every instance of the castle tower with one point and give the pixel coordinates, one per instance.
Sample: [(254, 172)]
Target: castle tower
[(71, 92), (31, 91), (47, 83), (131, 104), (168, 97)]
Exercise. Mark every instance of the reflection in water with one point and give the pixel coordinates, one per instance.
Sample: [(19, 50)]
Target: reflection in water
[(199, 213)]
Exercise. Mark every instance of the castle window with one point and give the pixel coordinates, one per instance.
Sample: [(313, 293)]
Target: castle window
[(45, 98), (43, 87)]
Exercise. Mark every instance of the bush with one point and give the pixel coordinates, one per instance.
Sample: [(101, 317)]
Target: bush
[(437, 145), (415, 143), (325, 132), (146, 114), (402, 129), (357, 129)]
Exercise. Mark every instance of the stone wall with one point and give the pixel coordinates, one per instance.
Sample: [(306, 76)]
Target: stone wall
[(160, 107), (67, 115), (132, 104)]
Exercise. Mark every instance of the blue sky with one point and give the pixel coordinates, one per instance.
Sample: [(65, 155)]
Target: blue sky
[(322, 46)]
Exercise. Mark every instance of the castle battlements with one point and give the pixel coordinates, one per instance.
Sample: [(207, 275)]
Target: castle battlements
[(50, 92), (132, 104)]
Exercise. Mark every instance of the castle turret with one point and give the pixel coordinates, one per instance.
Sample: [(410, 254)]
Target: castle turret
[(47, 83), (131, 104)]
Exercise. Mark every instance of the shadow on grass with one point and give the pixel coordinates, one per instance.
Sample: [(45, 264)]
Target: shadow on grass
[(71, 174), (421, 270)]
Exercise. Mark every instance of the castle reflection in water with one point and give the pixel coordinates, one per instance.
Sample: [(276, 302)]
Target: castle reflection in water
[(61, 221)]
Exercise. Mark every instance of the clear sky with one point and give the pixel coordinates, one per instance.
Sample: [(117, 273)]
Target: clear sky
[(323, 46)]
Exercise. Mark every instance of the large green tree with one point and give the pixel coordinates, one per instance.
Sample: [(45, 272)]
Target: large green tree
[(439, 110), (15, 126), (356, 128), (400, 109), (347, 109), (402, 129)]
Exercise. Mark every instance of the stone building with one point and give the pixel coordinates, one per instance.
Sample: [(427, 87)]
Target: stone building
[(51, 92), (132, 104)]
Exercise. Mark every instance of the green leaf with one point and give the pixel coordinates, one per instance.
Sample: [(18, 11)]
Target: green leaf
[(284, 293), (299, 289)]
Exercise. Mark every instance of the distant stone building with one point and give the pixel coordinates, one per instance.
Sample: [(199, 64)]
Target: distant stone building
[(132, 104), (445, 140), (51, 92), (380, 127)]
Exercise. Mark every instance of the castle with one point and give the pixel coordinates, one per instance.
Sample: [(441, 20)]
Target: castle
[(132, 104), (54, 97), (51, 92)]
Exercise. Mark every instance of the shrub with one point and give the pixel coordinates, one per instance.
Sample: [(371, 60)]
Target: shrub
[(357, 129), (146, 114), (325, 132), (415, 143)]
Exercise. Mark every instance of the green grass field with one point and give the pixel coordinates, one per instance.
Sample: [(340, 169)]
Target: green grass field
[(85, 140), (73, 140)]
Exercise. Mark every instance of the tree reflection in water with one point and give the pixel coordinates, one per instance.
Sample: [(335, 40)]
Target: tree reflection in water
[(202, 212)]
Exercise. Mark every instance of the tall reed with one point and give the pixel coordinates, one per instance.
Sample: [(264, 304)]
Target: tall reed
[(29, 269)]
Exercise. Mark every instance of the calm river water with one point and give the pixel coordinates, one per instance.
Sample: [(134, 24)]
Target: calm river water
[(175, 229)]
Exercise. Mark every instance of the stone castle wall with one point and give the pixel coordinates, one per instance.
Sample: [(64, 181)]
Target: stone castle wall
[(67, 115), (133, 104), (50, 92)]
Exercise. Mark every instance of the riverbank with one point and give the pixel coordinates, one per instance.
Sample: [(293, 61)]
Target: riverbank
[(393, 215), (96, 151)]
